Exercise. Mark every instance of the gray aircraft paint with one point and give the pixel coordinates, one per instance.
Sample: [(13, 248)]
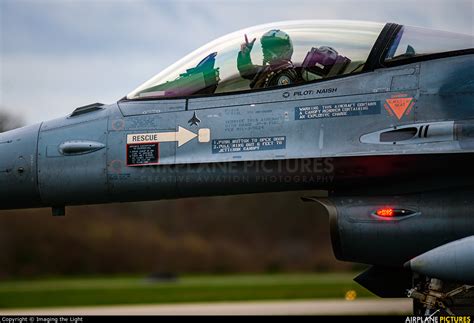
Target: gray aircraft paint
[(452, 261), (341, 132)]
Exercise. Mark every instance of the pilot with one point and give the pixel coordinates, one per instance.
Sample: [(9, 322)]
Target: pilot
[(277, 68)]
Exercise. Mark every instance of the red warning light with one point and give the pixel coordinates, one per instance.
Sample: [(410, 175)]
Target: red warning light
[(387, 212)]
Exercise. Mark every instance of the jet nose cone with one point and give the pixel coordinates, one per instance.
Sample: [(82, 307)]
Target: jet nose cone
[(18, 183)]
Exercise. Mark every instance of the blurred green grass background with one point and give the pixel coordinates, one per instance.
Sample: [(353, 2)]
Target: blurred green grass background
[(57, 292)]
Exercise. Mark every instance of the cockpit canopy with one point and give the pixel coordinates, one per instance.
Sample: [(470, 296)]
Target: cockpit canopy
[(286, 53)]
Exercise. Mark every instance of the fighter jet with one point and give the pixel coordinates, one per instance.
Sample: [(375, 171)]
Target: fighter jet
[(377, 117)]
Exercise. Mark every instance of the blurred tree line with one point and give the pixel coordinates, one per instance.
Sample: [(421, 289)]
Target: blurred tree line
[(248, 233), (253, 233), (8, 121)]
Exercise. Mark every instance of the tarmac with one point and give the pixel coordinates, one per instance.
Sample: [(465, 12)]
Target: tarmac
[(287, 307)]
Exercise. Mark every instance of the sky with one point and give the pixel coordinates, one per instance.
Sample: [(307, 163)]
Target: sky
[(56, 55)]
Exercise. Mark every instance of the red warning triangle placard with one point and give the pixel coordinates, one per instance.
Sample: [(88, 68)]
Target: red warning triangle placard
[(399, 105)]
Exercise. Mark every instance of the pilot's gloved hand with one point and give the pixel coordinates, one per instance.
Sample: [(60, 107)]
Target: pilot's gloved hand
[(246, 48)]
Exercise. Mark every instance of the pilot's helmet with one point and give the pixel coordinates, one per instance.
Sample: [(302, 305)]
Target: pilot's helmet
[(276, 45)]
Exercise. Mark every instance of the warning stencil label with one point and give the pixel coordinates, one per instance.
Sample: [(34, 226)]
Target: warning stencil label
[(337, 110)]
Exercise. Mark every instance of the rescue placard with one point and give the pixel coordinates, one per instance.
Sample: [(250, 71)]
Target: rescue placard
[(337, 110), (237, 145), (181, 136), (143, 154)]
